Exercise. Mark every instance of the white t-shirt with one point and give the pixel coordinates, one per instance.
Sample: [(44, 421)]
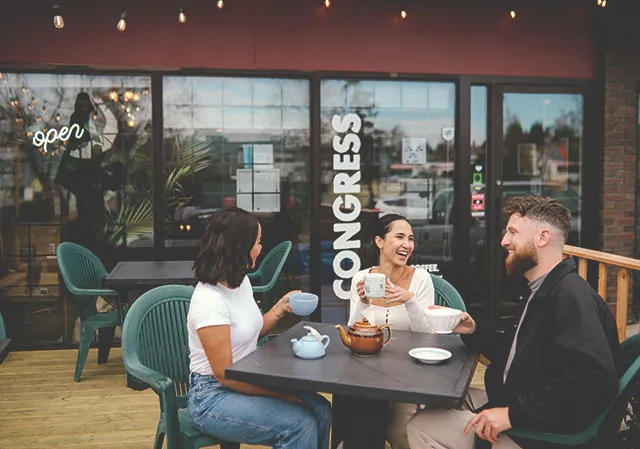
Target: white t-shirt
[(214, 305), (409, 316)]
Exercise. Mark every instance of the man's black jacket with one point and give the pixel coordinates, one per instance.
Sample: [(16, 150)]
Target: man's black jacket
[(564, 370)]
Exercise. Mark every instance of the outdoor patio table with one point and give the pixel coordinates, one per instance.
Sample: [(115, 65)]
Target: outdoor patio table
[(362, 384), (148, 274)]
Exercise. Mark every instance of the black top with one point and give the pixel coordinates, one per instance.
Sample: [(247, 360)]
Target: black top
[(150, 274), (391, 375), (563, 373)]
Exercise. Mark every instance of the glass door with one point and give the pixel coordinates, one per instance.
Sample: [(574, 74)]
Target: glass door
[(538, 150), (386, 147)]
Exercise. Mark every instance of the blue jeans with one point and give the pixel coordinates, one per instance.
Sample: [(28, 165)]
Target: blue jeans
[(240, 418)]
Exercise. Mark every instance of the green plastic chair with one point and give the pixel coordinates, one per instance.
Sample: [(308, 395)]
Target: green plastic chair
[(82, 273), (155, 349), (602, 432), (268, 273), (5, 343), (3, 332), (446, 294)]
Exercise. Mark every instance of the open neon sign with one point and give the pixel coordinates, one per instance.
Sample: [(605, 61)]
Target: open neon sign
[(40, 139)]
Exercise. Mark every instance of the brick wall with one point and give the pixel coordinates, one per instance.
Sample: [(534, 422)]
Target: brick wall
[(620, 84)]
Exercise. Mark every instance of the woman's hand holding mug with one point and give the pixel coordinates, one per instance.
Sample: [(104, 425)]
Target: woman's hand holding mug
[(283, 305)]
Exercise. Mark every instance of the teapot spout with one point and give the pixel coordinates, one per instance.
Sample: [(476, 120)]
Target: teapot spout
[(296, 345), (346, 340)]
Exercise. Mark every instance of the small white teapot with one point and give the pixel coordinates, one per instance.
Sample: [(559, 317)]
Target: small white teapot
[(311, 346)]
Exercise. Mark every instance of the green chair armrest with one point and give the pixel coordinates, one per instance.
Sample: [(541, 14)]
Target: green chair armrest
[(157, 381), (254, 274), (261, 288), (92, 291), (555, 438)]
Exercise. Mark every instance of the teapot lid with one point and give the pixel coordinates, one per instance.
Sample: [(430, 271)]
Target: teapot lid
[(363, 323), (309, 338)]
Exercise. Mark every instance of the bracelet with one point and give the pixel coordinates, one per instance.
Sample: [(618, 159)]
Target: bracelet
[(276, 313)]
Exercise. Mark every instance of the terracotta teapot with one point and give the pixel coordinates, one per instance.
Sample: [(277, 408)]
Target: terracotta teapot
[(364, 338)]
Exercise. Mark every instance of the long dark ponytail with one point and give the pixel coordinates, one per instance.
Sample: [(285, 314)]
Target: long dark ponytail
[(370, 254)]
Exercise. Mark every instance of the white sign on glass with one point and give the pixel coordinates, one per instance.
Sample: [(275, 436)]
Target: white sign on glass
[(448, 132), (258, 190), (414, 151)]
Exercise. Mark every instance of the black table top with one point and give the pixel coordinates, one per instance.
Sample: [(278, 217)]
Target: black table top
[(392, 375), (150, 274)]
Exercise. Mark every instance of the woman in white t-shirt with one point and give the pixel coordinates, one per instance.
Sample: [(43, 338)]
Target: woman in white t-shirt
[(409, 292), (224, 325)]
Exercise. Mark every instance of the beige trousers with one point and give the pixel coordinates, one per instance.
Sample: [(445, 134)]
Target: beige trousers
[(442, 428), (399, 415)]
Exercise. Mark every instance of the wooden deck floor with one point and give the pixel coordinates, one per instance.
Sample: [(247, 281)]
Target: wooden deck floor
[(42, 407)]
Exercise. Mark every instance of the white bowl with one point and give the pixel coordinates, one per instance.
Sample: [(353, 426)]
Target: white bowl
[(443, 320)]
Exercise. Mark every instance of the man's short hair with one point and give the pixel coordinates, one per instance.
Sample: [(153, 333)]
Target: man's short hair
[(546, 210)]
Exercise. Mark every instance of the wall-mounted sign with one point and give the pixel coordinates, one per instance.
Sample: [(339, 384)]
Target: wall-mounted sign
[(346, 206), (40, 139)]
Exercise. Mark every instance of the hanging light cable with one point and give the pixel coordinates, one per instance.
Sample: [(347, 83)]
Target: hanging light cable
[(122, 23), (58, 21), (182, 18)]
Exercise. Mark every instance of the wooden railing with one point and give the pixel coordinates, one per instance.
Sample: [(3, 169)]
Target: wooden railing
[(623, 265)]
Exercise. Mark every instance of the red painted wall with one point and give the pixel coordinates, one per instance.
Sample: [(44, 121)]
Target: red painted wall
[(548, 38)]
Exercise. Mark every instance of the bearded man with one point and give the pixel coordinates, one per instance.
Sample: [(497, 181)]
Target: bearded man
[(556, 371)]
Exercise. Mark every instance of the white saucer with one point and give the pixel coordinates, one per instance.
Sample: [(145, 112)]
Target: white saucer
[(430, 355)]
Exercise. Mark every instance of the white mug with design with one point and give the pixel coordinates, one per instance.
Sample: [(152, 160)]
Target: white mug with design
[(374, 285)]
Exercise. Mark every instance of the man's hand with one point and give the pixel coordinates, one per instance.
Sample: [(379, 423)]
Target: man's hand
[(490, 423), (466, 326)]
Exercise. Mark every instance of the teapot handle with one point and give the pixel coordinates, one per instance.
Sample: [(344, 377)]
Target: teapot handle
[(388, 328), (327, 342)]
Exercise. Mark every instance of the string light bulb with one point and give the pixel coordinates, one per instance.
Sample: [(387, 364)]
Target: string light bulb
[(602, 3), (513, 14), (220, 4), (182, 18), (122, 23), (327, 3), (58, 21), (403, 14)]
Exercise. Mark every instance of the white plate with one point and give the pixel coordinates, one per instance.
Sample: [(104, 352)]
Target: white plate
[(430, 355)]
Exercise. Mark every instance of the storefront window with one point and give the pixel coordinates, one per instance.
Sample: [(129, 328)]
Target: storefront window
[(239, 142), (387, 147), (75, 166)]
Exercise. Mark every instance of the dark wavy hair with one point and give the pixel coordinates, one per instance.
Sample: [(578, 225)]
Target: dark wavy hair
[(381, 227), (225, 247)]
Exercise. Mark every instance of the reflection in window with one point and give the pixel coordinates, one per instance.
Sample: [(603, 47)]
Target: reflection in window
[(239, 142), (543, 149), (75, 166)]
